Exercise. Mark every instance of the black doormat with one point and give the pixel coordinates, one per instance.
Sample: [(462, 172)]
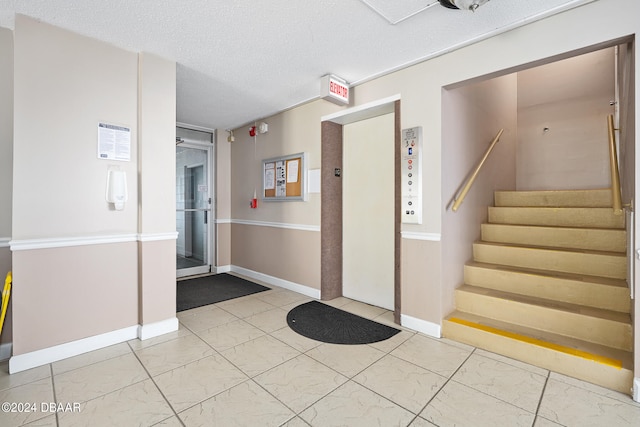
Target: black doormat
[(321, 322), (192, 293)]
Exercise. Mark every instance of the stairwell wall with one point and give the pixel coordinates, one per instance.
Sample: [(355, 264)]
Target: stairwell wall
[(471, 117), (562, 123)]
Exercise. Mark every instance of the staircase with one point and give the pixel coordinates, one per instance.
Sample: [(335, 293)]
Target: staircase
[(547, 286)]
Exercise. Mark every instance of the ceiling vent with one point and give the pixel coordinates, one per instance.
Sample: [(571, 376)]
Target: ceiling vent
[(397, 11)]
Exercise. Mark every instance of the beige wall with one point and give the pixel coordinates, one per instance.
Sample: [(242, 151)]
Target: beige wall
[(472, 116), (287, 254), (157, 207), (157, 284), (66, 294), (571, 99), (6, 130), (291, 132), (223, 199), (157, 135), (75, 283), (256, 246), (64, 86), (6, 164)]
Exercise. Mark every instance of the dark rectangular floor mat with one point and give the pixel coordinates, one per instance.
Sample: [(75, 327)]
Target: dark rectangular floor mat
[(192, 293), (322, 322)]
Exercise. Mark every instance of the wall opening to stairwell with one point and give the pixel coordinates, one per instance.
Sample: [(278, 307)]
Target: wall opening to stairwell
[(555, 137)]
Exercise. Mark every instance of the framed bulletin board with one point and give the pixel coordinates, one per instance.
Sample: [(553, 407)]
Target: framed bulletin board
[(283, 178)]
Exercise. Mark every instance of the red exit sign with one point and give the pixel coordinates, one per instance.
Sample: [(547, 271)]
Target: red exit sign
[(335, 89)]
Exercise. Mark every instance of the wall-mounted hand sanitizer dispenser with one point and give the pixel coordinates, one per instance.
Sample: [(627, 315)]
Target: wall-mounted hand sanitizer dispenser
[(117, 188)]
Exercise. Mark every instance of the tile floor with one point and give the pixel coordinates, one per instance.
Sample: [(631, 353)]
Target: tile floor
[(237, 363)]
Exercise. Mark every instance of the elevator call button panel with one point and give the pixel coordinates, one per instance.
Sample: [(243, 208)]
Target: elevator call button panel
[(411, 160)]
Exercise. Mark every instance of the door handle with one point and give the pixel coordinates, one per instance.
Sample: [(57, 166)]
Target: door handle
[(205, 216)]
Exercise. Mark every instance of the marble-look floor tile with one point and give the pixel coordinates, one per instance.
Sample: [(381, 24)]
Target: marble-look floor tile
[(337, 302), (349, 360), (49, 421), (460, 406), (281, 298), (518, 364), (296, 422), (404, 383), (230, 334), (269, 321), (353, 405), (543, 422), (622, 397), (169, 422), (260, 355), (98, 379), (190, 384), (300, 382), (137, 404), (294, 339), (567, 404), (20, 378), (390, 344), (246, 404), (432, 354), (173, 354), (89, 358), (246, 307), (421, 422), (363, 310), (33, 393), (137, 344), (507, 382), (293, 305), (206, 319)]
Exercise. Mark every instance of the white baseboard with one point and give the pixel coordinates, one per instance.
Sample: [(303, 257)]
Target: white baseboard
[(22, 362), (296, 287), (5, 351), (427, 328), (222, 269), (155, 329), (636, 389)]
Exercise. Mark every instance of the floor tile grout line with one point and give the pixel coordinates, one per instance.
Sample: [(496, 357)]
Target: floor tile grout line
[(158, 388), (92, 363), (544, 388), (53, 388), (445, 383)]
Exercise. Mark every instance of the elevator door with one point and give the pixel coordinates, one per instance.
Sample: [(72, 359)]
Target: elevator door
[(368, 211)]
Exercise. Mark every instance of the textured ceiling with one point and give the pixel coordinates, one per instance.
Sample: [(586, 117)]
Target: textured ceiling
[(242, 60)]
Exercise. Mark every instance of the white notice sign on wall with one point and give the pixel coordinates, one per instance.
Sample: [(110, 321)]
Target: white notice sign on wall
[(114, 142)]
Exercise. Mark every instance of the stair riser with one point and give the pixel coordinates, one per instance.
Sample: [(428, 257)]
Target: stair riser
[(552, 288), (611, 240), (557, 217), (589, 198), (606, 376), (604, 265), (592, 329)]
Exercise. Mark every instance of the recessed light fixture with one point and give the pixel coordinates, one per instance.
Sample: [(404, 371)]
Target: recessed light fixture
[(471, 5)]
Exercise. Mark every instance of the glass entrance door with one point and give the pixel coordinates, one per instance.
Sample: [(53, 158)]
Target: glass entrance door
[(193, 209)]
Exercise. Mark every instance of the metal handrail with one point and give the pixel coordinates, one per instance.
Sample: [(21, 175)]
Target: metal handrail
[(616, 192), (467, 186)]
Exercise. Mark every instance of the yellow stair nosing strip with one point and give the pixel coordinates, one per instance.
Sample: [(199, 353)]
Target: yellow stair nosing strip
[(545, 344)]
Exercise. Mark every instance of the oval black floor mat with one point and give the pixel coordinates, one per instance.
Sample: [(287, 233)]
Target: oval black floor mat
[(322, 322)]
